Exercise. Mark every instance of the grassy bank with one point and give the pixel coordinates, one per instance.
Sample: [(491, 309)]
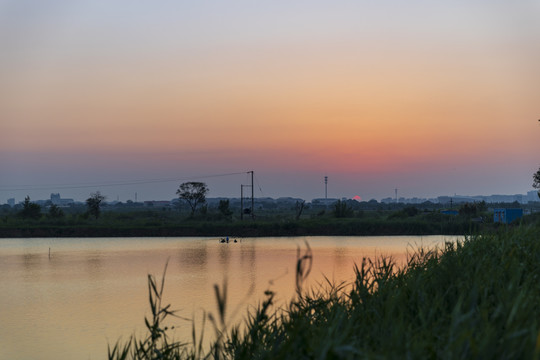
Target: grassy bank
[(474, 299)]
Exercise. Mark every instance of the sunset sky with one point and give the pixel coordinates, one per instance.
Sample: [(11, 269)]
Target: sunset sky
[(430, 97)]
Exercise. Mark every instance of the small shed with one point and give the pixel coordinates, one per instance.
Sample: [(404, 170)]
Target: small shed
[(506, 216)]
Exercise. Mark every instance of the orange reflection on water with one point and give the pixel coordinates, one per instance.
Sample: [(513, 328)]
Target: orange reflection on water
[(91, 292)]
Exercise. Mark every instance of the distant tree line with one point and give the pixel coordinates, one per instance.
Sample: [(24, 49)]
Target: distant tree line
[(193, 195)]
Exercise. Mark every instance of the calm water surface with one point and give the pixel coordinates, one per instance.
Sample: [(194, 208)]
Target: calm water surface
[(90, 292)]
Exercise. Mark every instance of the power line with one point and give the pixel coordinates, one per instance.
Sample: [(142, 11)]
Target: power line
[(258, 185), (110, 183)]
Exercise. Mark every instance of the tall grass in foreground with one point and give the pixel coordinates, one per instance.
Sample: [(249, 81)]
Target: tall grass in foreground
[(478, 298)]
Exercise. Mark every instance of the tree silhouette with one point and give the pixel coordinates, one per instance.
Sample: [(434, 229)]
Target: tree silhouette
[(194, 193), (55, 212), (94, 204), (30, 210), (224, 208), (536, 181), (342, 209)]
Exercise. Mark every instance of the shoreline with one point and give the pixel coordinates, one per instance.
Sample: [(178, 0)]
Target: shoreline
[(254, 229)]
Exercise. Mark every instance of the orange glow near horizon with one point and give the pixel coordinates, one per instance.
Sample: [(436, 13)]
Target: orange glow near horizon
[(318, 90)]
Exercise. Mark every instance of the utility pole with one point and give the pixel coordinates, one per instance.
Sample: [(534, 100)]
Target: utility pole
[(326, 187), (241, 202), (252, 198)]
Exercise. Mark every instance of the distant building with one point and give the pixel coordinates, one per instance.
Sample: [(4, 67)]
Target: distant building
[(287, 200), (458, 199), (324, 201), (11, 202), (532, 196), (506, 216), (455, 199), (157, 203), (504, 198), (57, 200)]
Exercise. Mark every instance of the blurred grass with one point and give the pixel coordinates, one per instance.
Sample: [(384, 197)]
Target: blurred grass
[(477, 298)]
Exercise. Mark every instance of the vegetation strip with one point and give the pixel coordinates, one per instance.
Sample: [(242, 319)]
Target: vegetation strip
[(473, 299), (402, 220)]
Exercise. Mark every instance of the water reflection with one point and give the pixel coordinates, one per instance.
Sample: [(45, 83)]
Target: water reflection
[(94, 265), (91, 292), (224, 256), (247, 260), (32, 265), (31, 261), (193, 257), (340, 256)]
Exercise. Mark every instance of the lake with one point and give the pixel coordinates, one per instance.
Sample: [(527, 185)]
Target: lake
[(89, 292)]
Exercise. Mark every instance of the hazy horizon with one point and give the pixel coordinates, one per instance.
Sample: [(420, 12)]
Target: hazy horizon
[(430, 98), (112, 190)]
